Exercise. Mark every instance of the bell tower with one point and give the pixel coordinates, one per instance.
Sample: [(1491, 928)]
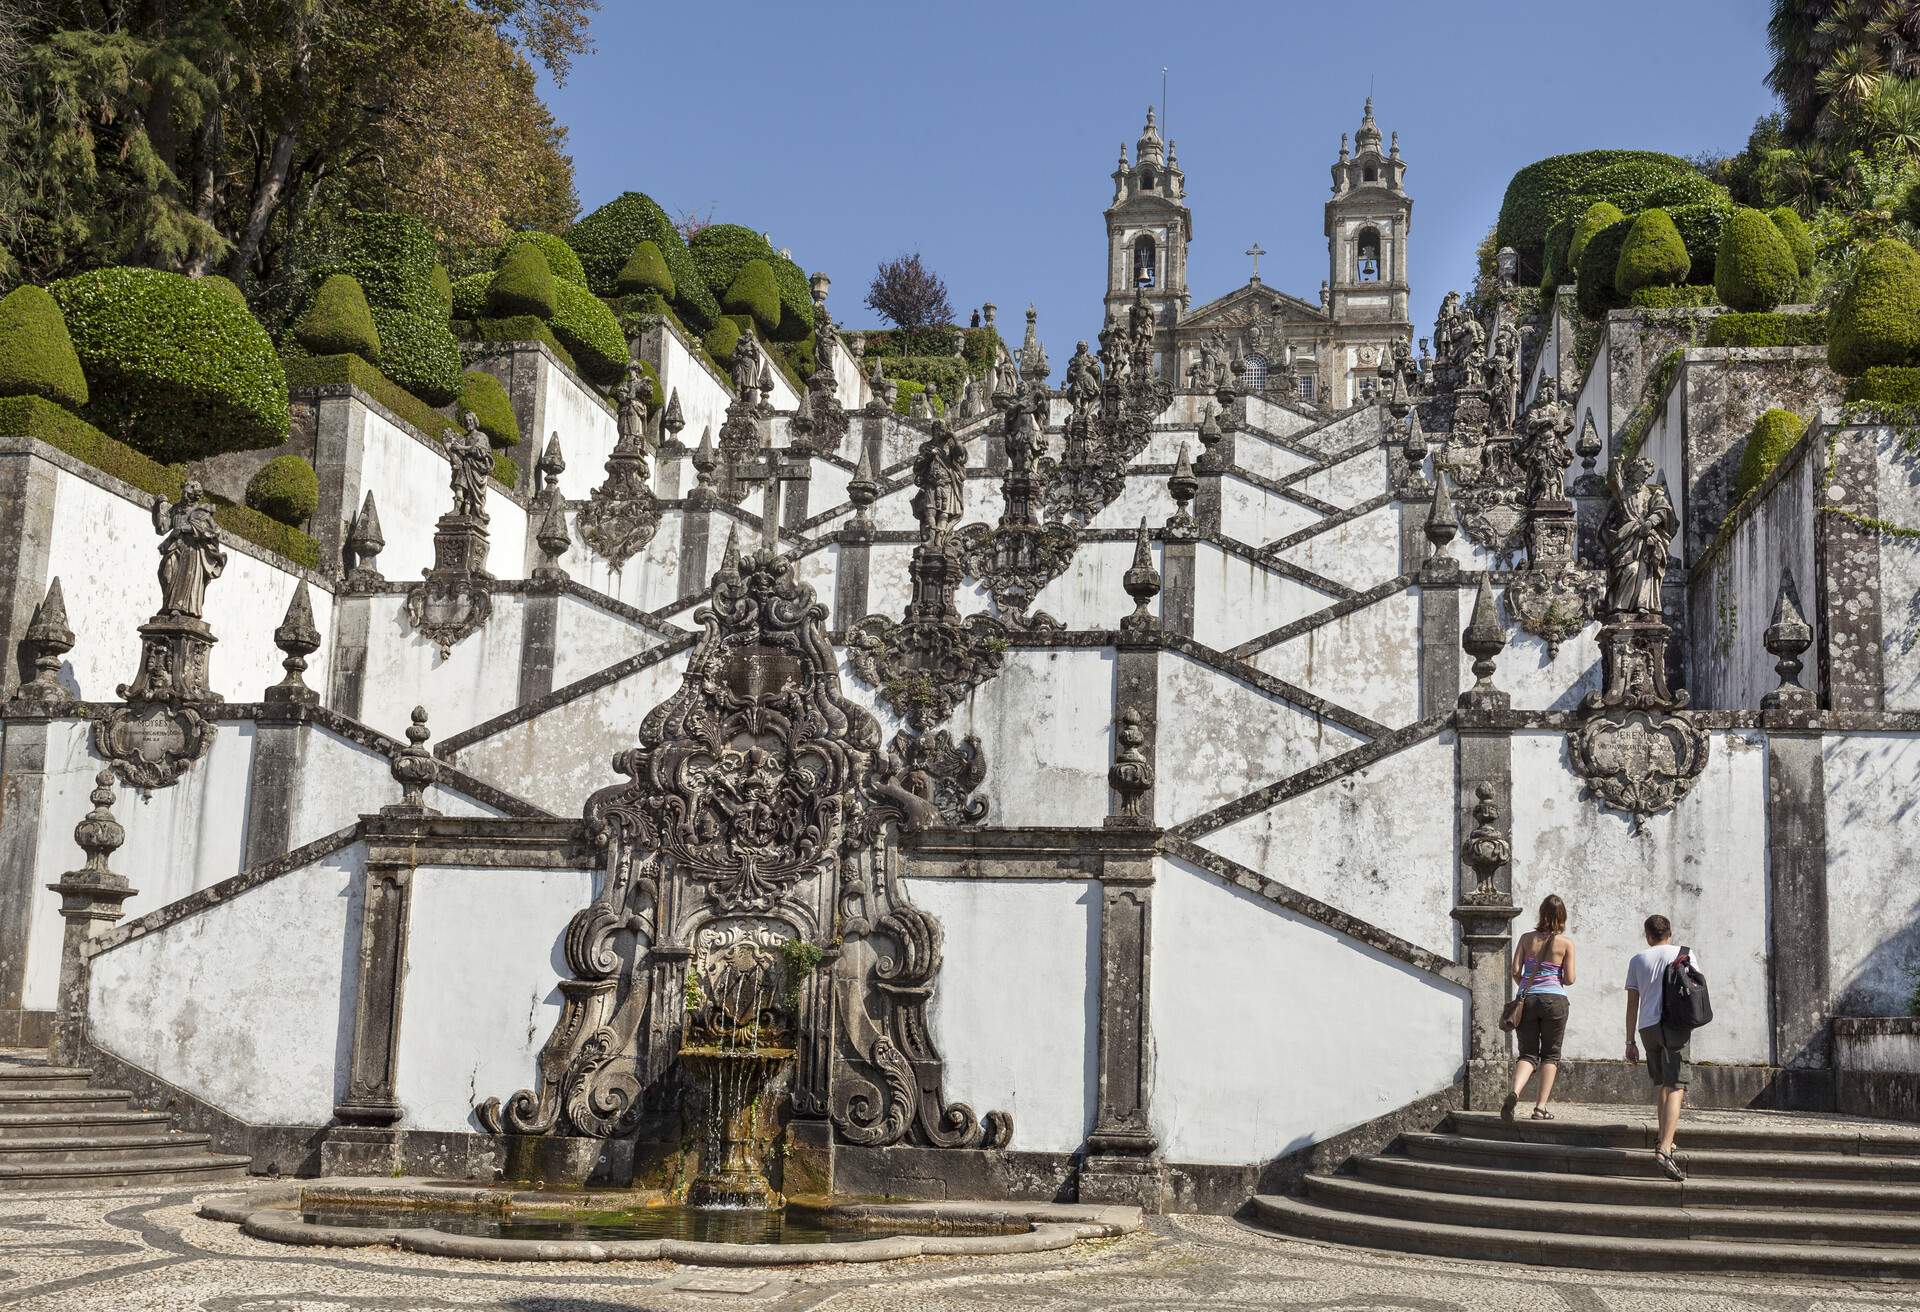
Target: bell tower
[(1148, 229), (1368, 218)]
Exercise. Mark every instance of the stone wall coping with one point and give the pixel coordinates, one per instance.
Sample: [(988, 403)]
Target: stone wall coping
[(350, 392), (474, 351), (13, 444), (1870, 1027)]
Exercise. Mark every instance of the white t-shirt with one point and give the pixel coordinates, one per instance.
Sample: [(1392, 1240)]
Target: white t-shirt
[(1645, 972)]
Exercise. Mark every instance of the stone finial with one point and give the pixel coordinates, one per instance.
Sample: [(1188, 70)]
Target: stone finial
[(705, 459), (1588, 447), (730, 557), (1443, 525), (1486, 849), (1142, 582), (766, 379), (1131, 774), (1210, 436), (47, 639), (552, 465), (298, 638), (1787, 639), (1484, 639), (863, 490), (1416, 448), (554, 539), (1182, 485), (415, 770), (99, 836), (364, 545), (675, 418)]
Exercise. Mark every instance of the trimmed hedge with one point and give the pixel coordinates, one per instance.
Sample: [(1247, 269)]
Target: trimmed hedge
[(722, 250), (561, 260), (907, 389), (518, 328), (173, 365), (470, 295), (1672, 298), (1770, 328), (392, 256), (339, 321), (1773, 435), (522, 284), (442, 289), (1652, 255), (1597, 263), (946, 373), (587, 328), (754, 294), (418, 351), (1755, 268), (1876, 320), (1600, 214), (1554, 267), (1548, 190), (36, 354), (1887, 384), (333, 370), (33, 416), (481, 393), (228, 288), (1793, 230), (605, 239), (645, 271), (285, 489), (720, 340), (1700, 227), (506, 470)]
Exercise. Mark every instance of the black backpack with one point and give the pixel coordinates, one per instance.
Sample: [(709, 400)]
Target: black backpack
[(1684, 1004)]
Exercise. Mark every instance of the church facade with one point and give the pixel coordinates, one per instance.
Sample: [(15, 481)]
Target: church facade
[(1325, 352)]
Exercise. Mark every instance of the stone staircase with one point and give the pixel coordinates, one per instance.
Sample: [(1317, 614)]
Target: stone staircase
[(1765, 1193), (59, 1132)]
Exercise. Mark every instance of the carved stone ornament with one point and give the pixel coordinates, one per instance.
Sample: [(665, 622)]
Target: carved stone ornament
[(934, 768), (1636, 747), (1554, 604), (622, 514), (456, 597), (151, 744), (1489, 492), (752, 907), (1014, 562), (923, 668)]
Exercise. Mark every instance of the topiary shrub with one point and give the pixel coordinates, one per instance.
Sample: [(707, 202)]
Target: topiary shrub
[(482, 393), (506, 470), (587, 328), (646, 271), (285, 489), (1768, 329), (721, 250), (1652, 255), (1887, 384), (1700, 227), (1773, 435), (754, 294), (442, 289), (946, 373), (1597, 263), (907, 389), (1876, 320), (339, 321), (36, 354), (1671, 298), (175, 369), (1754, 269), (1793, 230), (392, 256), (518, 328), (1555, 269), (605, 239), (1600, 214), (470, 295), (333, 370), (418, 352), (522, 284), (228, 288), (720, 340), (561, 260), (1548, 190)]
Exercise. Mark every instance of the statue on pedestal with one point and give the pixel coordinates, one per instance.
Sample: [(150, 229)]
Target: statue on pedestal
[(940, 474), (190, 552), (1635, 535), (1544, 450), (472, 459)]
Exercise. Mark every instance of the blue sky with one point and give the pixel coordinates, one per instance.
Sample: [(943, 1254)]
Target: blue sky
[(982, 134)]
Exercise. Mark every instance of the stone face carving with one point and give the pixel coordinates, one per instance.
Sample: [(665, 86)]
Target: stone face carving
[(749, 843)]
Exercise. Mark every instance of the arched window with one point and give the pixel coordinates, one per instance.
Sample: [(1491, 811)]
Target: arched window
[(1146, 271), (1366, 259), (1256, 375), (1370, 174)]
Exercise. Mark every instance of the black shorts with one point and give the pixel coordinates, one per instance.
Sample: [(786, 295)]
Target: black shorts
[(1543, 1024)]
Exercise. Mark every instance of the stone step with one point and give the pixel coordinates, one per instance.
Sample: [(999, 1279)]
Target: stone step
[(1815, 1195), (1781, 1136), (80, 1099), (1649, 1220), (32, 1125), (1574, 1159), (24, 1075), (86, 1148), (131, 1171), (1311, 1220)]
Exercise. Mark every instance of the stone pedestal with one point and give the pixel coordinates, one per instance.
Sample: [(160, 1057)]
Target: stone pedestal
[(1486, 935), (1123, 1162), (386, 908), (173, 661), (90, 900), (456, 597)]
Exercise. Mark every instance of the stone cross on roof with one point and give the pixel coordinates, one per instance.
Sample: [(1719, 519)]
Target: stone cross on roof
[(1256, 251)]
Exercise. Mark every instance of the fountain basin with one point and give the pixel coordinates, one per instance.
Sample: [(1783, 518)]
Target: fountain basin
[(450, 1219)]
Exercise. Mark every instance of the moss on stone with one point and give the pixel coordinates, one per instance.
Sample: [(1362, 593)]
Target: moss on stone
[(1768, 328)]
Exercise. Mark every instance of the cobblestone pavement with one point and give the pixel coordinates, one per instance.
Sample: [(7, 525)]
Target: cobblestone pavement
[(148, 1252)]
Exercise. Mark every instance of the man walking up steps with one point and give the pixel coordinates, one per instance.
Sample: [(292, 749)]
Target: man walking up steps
[(1666, 1047)]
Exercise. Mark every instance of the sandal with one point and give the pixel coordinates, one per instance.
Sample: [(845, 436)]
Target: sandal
[(1668, 1165), (1542, 1114)]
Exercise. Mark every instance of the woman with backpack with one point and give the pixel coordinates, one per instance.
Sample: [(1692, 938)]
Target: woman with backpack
[(1543, 967)]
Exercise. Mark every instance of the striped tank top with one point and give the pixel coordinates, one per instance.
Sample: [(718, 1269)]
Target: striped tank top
[(1541, 977)]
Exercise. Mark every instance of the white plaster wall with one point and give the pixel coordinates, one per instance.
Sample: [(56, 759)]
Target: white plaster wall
[(1666, 447), (1235, 599), (340, 782), (1273, 418), (105, 553), (244, 1005), (1046, 724), (703, 398), (479, 679), (817, 568), (647, 580), (1352, 480), (1368, 660), (482, 986), (1378, 844), (1222, 739), (409, 482), (1345, 432), (889, 585), (1091, 593), (1144, 495), (1016, 1016), (1254, 453), (1703, 865), (849, 383), (1873, 901), (828, 487), (1272, 1032), (588, 638), (1359, 553), (1899, 487), (587, 430), (1256, 516)]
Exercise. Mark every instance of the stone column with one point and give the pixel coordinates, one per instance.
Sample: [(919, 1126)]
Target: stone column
[(23, 789), (339, 441), (1439, 578), (795, 472), (538, 638), (1851, 664), (90, 899)]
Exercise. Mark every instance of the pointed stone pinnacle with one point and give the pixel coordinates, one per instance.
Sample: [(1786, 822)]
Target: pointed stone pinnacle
[(1442, 524), (1183, 467), (552, 462), (47, 639), (366, 528), (1787, 640), (730, 558), (1142, 548), (675, 419), (298, 638), (1484, 639)]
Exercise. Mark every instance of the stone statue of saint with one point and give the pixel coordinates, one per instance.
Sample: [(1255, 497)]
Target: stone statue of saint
[(1083, 380), (1543, 448), (824, 337), (1140, 318), (1635, 535), (1503, 376), (746, 367), (1444, 325), (1005, 377), (940, 474), (472, 459), (190, 553), (633, 393), (1214, 353), (1023, 439)]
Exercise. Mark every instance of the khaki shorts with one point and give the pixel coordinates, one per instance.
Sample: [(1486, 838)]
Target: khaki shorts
[(1666, 1063)]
